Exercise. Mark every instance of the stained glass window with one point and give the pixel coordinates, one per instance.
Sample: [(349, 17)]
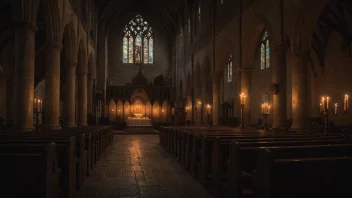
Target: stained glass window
[(130, 50), (265, 51), (145, 51), (151, 50), (138, 42), (199, 14), (229, 69), (189, 30), (138, 48), (125, 50)]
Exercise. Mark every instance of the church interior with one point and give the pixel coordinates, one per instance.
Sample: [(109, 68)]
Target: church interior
[(175, 99)]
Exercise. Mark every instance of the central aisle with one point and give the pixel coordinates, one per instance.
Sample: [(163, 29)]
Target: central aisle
[(136, 166)]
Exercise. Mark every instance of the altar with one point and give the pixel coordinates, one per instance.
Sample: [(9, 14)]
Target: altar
[(139, 120)]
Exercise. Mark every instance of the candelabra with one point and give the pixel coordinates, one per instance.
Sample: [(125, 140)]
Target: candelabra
[(37, 112), (242, 100), (325, 112), (265, 114)]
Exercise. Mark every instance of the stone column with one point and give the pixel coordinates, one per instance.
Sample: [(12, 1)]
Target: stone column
[(245, 88), (70, 91), (24, 75), (299, 92), (102, 66), (82, 98), (52, 86), (198, 99), (278, 69), (90, 84), (216, 99)]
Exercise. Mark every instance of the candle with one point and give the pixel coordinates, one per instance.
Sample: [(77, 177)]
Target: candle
[(320, 107), (242, 98), (335, 108), (345, 104), (327, 103)]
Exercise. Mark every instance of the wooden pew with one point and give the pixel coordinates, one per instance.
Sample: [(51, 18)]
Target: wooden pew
[(202, 148), (29, 170), (66, 155), (321, 171)]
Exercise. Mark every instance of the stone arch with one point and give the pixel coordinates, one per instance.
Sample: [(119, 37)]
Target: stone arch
[(139, 94), (156, 111), (197, 73), (70, 42), (304, 24), (126, 110), (189, 84), (222, 54), (207, 81), (112, 111), (82, 57)]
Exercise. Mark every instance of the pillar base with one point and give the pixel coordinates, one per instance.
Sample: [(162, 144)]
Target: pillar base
[(47, 127), (70, 125), (26, 129), (299, 129), (82, 124)]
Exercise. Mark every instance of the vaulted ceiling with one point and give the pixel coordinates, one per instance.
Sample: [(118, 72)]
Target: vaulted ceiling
[(335, 17), (166, 11)]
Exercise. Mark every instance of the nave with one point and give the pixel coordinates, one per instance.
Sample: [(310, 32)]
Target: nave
[(137, 166)]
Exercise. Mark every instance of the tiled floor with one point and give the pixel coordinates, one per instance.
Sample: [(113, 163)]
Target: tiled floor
[(136, 166)]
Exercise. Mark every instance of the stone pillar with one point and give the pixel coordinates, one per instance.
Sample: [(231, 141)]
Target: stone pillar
[(245, 88), (70, 93), (102, 66), (216, 99), (82, 98), (24, 74), (90, 85), (198, 104), (52, 86), (278, 69), (299, 92)]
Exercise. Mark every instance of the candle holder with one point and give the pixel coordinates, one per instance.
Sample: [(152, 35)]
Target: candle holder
[(37, 114), (38, 110), (265, 114), (242, 101)]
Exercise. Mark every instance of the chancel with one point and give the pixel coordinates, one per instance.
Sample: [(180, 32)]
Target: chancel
[(175, 98)]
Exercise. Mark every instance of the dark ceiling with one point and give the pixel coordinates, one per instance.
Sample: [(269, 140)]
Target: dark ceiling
[(166, 11), (335, 17)]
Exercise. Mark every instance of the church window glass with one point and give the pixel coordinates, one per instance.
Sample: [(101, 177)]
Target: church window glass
[(229, 69), (199, 14), (265, 51), (138, 42)]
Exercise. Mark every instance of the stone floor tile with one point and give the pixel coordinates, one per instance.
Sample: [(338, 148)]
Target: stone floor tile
[(137, 166)]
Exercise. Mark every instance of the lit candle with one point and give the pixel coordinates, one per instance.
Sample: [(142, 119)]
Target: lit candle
[(327, 103), (320, 107), (345, 105), (262, 108), (268, 109), (242, 98), (35, 104), (335, 108), (323, 103)]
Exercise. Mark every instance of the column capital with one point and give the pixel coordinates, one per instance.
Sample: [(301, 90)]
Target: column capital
[(54, 45), (71, 64)]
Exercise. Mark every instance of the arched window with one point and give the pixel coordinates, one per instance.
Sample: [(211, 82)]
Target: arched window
[(189, 30), (138, 42), (265, 51), (199, 14), (229, 68)]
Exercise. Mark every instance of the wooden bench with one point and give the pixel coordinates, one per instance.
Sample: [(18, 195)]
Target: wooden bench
[(322, 172), (66, 155), (29, 170)]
